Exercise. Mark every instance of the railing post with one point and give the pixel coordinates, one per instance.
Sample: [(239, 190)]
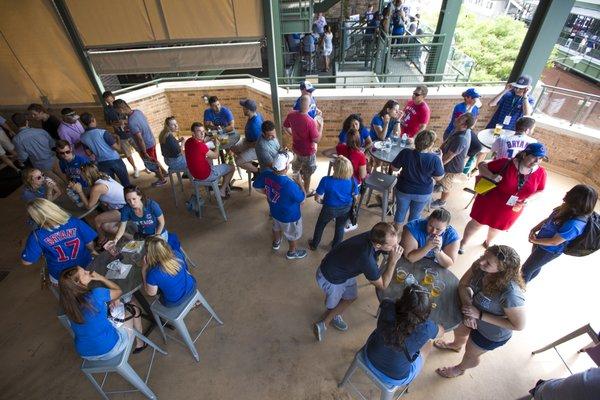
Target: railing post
[(578, 113), (539, 99)]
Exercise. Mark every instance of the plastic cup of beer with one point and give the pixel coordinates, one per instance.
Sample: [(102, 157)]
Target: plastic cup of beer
[(498, 129), (430, 275), (437, 288), (401, 275)]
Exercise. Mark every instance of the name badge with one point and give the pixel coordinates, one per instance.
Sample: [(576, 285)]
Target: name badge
[(512, 200), (507, 120)]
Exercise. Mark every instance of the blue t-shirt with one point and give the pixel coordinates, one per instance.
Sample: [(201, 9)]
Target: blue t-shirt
[(283, 194), (568, 231), (312, 109), (351, 258), (100, 142), (29, 194), (174, 288), (417, 172), (147, 223), (138, 123), (253, 128), (459, 110), (512, 105), (390, 360), (222, 118), (418, 228), (72, 169), (63, 247), (337, 192), (364, 134), (377, 120), (96, 336)]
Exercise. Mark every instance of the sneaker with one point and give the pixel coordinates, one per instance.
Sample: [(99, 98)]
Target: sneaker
[(437, 188), (438, 203), (159, 183), (276, 244), (295, 255), (339, 324), (461, 251), (349, 227), (311, 245), (319, 330), (136, 173)]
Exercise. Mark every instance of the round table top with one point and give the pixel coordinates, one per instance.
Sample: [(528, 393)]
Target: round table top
[(133, 280), (487, 137), (447, 311), (387, 156), (69, 206), (234, 137)]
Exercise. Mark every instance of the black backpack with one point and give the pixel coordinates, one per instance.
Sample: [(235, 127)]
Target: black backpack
[(589, 241)]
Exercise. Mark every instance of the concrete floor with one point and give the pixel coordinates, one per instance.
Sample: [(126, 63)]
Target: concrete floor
[(266, 349)]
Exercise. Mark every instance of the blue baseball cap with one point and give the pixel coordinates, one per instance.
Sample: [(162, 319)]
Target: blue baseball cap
[(472, 93), (523, 82), (536, 149), (249, 104), (306, 85)]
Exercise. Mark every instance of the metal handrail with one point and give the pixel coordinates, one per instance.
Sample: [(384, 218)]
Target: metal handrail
[(570, 91), (187, 78)]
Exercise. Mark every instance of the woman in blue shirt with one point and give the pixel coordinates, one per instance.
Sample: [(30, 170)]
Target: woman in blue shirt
[(166, 269), (95, 336), (385, 122), (397, 349), (36, 185), (144, 213), (431, 238), (355, 121), (552, 235), (335, 192)]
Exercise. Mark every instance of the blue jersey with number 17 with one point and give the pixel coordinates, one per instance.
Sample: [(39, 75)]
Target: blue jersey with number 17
[(63, 247)]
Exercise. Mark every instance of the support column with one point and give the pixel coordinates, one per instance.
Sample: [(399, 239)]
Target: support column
[(67, 20), (441, 45), (274, 56), (546, 25)]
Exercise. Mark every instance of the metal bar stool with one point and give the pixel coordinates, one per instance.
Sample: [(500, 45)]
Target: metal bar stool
[(179, 174), (381, 183), (214, 185)]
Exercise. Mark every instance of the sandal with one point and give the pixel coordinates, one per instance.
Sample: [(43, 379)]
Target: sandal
[(140, 349), (440, 344), (446, 372)]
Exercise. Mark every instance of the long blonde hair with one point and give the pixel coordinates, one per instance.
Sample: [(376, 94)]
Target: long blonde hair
[(342, 168), (165, 131), (47, 214), (159, 253), (27, 176), (91, 173)]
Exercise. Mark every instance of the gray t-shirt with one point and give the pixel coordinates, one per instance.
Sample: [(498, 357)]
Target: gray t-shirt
[(458, 143), (35, 144), (266, 150), (513, 296), (582, 386), (138, 123)]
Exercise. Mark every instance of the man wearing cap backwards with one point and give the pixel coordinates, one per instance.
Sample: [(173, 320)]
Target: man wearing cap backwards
[(285, 197), (306, 133), (70, 130), (513, 103), (306, 88), (471, 104), (244, 150)]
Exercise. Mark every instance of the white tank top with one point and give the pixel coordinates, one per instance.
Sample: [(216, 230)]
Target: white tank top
[(114, 198)]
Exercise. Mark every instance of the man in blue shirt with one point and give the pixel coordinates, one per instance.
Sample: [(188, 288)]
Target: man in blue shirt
[(336, 275), (306, 88), (471, 104), (244, 150), (285, 197), (34, 144), (70, 163), (513, 103), (218, 116)]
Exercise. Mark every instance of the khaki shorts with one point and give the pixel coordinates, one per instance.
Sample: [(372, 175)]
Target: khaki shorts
[(306, 165), (448, 180), (291, 230), (127, 146)]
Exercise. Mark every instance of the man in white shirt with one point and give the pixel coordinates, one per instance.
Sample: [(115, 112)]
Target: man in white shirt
[(509, 146)]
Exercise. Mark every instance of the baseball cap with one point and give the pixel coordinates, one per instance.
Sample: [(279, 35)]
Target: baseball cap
[(249, 104), (281, 161), (306, 85), (471, 92), (536, 149), (523, 82)]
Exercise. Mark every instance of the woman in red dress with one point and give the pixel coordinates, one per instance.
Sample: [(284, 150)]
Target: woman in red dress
[(517, 180)]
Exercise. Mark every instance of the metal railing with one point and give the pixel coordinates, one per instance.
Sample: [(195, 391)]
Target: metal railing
[(576, 108)]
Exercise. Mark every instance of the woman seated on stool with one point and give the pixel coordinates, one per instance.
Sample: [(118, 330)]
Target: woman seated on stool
[(144, 213), (398, 347), (36, 185), (165, 269), (63, 240), (493, 306), (431, 238), (106, 190), (171, 146), (95, 336)]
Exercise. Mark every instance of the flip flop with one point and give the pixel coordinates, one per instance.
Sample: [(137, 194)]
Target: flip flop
[(138, 350), (440, 344), (444, 372)]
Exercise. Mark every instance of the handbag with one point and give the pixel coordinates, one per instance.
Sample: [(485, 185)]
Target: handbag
[(117, 315), (484, 185), (353, 217)]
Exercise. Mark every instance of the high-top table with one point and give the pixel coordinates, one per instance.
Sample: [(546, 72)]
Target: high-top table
[(487, 137)]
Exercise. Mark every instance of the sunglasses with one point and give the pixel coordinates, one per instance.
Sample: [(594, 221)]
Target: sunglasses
[(417, 94), (39, 177), (500, 255), (64, 152)]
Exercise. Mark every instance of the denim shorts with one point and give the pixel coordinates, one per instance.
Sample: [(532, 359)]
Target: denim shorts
[(116, 350), (484, 343)]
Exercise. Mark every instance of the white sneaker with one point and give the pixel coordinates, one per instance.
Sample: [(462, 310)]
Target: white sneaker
[(136, 173), (349, 227)]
